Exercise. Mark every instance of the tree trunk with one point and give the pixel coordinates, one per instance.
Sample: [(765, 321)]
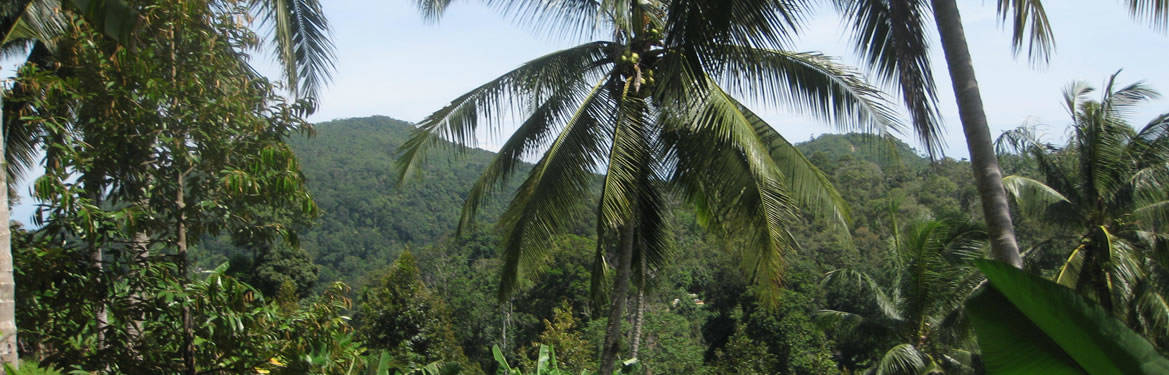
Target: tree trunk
[(101, 316), (987, 174), (141, 247), (188, 326), (8, 353), (639, 305), (620, 290)]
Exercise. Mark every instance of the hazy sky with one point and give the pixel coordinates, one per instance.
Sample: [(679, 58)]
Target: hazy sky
[(391, 62)]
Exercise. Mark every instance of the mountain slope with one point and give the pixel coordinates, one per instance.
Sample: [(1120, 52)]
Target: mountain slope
[(367, 219)]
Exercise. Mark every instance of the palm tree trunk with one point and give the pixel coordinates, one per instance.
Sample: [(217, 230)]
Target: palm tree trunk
[(8, 353), (639, 304), (620, 290), (987, 174)]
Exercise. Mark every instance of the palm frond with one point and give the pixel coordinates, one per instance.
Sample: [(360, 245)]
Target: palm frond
[(300, 32), (511, 93), (807, 184), (891, 35), (701, 27), (1033, 197), (888, 305), (1119, 103), (722, 160), (807, 81), (1069, 272), (533, 134), (565, 18), (1020, 140), (1029, 25), (554, 186), (630, 158), (432, 10), (1155, 214), (39, 20), (1156, 12), (903, 359), (836, 320)]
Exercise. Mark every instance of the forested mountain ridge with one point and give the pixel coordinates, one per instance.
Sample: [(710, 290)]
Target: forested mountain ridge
[(367, 218)]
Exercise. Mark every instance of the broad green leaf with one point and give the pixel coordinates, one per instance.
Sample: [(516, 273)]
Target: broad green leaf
[(1010, 343), (1092, 338)]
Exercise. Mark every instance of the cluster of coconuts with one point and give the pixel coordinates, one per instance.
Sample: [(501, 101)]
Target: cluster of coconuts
[(655, 34), (630, 57)]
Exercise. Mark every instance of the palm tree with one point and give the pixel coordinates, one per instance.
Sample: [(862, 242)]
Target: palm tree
[(891, 35), (917, 313), (1107, 188), (648, 112)]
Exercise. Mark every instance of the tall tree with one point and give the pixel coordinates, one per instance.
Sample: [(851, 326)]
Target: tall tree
[(298, 28), (1106, 188), (891, 35), (648, 111)]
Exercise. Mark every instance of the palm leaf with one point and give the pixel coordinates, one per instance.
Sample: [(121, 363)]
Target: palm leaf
[(904, 359), (553, 187), (114, 18), (533, 134), (891, 36), (722, 159), (1029, 25), (37, 21), (300, 32), (1156, 12), (1033, 197), (806, 81), (530, 84)]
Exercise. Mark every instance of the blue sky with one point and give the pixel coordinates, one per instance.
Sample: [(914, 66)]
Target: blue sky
[(391, 62)]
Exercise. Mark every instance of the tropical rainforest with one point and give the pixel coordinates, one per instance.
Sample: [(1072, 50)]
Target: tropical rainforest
[(640, 218)]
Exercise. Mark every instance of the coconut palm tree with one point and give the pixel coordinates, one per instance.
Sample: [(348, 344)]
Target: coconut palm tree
[(891, 35), (1106, 187), (917, 312), (650, 111)]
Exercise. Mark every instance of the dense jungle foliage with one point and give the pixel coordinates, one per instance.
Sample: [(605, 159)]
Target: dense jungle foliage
[(641, 219), (701, 314)]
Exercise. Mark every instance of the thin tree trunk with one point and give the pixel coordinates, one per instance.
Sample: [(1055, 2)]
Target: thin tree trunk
[(620, 291), (101, 316), (188, 326), (8, 353), (506, 326), (987, 174), (140, 245), (640, 306)]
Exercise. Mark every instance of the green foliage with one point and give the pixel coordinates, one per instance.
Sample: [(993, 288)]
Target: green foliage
[(1027, 324), (400, 314), (1104, 194), (915, 315), (576, 353), (30, 368)]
